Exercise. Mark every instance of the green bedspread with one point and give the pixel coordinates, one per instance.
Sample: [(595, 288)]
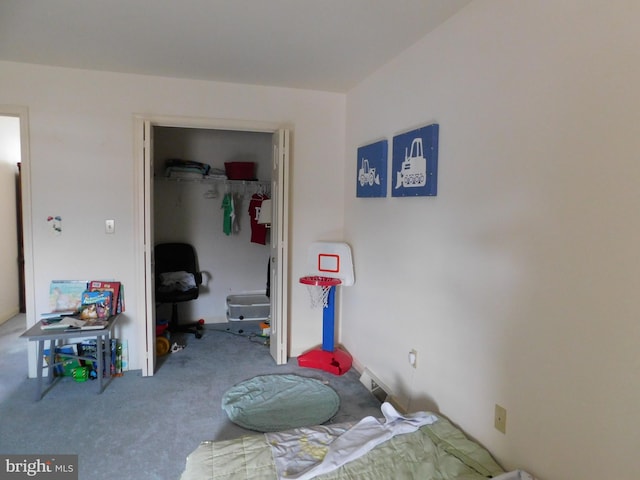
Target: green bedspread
[(439, 451)]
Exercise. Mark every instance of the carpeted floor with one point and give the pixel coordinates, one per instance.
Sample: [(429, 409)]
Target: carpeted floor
[(144, 428)]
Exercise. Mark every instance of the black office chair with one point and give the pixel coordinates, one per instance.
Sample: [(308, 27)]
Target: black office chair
[(177, 280)]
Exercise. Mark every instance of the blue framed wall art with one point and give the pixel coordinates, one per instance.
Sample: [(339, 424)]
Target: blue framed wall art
[(371, 179), (415, 163)]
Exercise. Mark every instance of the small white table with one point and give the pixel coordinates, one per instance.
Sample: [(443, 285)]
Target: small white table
[(59, 337)]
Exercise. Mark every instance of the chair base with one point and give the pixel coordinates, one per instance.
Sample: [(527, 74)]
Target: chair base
[(190, 327)]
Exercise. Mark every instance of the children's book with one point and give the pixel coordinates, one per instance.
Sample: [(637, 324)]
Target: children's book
[(64, 359), (64, 323), (56, 315), (89, 350), (117, 293), (65, 295), (94, 324), (96, 304), (118, 367), (67, 324), (124, 355), (121, 300), (50, 321)]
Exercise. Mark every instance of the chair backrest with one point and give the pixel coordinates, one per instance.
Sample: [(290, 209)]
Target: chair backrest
[(175, 257)]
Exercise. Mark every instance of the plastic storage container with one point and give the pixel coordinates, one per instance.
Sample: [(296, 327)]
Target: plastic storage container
[(248, 307), (240, 170)]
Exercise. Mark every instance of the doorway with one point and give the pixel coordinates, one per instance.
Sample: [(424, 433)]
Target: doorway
[(12, 299), (277, 256), (22, 114)]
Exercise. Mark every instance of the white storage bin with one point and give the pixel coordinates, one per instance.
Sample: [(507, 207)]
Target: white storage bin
[(248, 307)]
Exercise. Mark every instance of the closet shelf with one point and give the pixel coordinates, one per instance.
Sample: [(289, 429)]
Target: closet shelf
[(213, 180), (242, 187)]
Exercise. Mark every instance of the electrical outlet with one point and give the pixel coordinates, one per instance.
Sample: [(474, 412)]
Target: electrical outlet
[(110, 226), (413, 358), (500, 420)]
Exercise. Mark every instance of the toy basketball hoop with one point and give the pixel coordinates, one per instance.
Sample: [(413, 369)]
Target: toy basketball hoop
[(319, 288), (330, 266)]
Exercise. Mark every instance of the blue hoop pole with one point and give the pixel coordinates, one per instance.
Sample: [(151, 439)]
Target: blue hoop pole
[(328, 322)]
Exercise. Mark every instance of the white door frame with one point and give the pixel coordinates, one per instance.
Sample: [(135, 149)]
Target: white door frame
[(146, 332), (279, 262)]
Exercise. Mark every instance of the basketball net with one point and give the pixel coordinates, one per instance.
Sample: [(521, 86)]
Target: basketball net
[(318, 288), (319, 295)]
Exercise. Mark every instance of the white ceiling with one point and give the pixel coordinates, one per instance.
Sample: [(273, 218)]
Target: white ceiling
[(312, 44)]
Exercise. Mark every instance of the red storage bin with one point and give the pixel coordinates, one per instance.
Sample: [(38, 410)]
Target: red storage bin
[(240, 170)]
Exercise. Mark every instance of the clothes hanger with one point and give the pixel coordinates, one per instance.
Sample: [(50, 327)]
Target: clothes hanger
[(212, 192)]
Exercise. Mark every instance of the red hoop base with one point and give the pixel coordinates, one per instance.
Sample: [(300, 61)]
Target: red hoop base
[(319, 281), (337, 362)]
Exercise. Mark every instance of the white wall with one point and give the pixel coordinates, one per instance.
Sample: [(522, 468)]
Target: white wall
[(81, 136), (9, 157), (518, 283)]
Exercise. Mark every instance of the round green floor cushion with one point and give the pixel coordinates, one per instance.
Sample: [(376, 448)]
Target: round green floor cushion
[(269, 403)]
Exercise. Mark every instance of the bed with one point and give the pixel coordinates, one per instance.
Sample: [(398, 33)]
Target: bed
[(436, 450)]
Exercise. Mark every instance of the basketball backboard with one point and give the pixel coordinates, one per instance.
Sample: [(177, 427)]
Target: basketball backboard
[(331, 259)]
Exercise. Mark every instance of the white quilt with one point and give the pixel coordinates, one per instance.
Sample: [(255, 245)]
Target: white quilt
[(325, 449)]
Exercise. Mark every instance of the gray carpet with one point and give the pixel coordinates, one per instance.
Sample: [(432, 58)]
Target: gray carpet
[(140, 427)]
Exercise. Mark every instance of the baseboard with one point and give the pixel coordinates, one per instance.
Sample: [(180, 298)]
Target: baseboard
[(380, 390), (8, 315)]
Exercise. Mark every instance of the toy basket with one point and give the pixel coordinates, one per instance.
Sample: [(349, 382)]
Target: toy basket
[(240, 170)]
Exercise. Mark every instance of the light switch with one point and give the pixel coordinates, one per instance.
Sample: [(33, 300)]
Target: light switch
[(110, 226)]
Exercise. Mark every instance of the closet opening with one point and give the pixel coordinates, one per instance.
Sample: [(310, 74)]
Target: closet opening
[(209, 189), (238, 226)]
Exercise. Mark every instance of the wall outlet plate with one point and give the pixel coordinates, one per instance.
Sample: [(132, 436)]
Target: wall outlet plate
[(413, 358), (500, 419)]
